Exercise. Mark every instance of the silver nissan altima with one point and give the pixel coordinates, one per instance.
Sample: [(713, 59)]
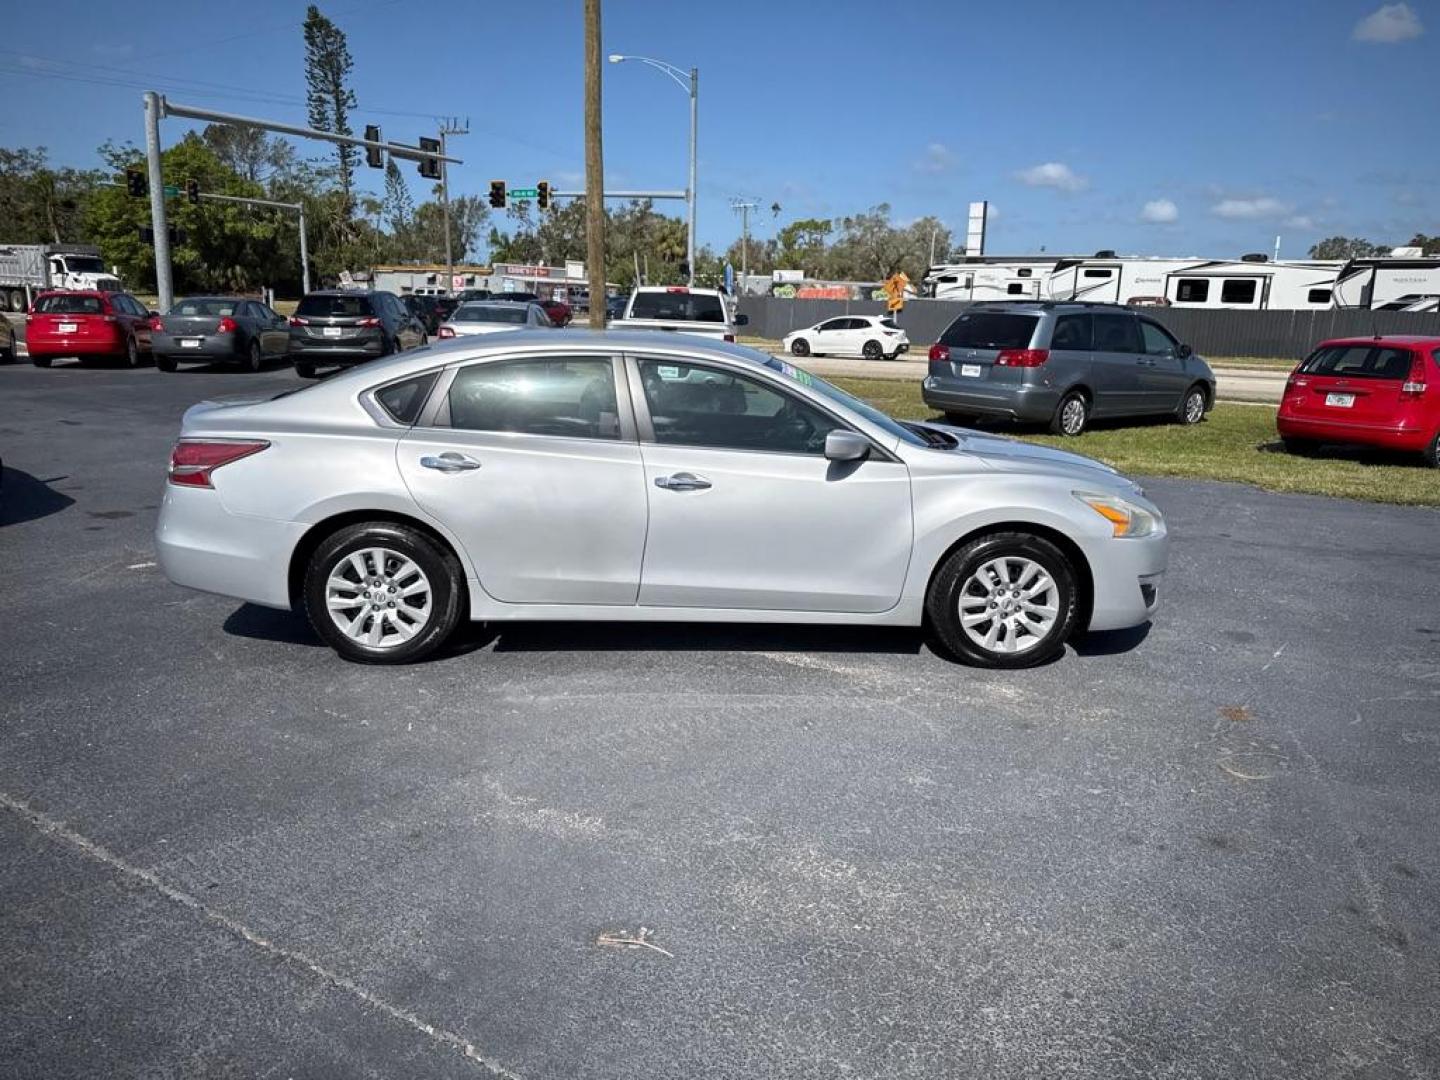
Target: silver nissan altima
[(633, 476)]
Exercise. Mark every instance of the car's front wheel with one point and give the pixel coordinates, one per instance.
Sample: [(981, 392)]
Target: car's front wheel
[(799, 347), (383, 593), (253, 360), (132, 353), (1007, 600)]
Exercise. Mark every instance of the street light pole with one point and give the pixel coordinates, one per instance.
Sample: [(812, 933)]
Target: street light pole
[(164, 284), (690, 83)]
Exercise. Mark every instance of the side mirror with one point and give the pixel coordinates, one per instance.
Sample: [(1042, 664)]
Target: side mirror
[(1186, 352), (742, 319), (846, 446)]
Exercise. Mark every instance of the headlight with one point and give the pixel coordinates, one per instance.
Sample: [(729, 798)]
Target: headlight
[(1125, 517)]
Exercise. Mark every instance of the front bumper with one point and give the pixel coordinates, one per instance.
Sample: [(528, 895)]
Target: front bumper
[(1126, 574), (201, 545), (1013, 402)]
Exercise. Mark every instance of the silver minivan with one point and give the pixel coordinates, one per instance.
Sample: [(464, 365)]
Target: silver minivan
[(1064, 364)]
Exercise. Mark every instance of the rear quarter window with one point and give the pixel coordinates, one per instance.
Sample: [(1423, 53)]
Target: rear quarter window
[(990, 330), (404, 400)]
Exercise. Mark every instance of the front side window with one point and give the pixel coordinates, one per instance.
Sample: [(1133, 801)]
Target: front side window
[(1192, 291), (1158, 341), (692, 405), (570, 397)]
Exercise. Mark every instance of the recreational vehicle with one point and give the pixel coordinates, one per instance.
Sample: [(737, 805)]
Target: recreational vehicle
[(1252, 283), (1403, 281), (985, 277)]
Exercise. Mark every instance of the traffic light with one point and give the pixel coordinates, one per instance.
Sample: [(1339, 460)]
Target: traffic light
[(135, 183), (430, 166), (192, 191), (542, 194), (497, 194), (374, 156)]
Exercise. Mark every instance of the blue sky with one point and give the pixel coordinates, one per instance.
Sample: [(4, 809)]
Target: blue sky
[(1187, 129)]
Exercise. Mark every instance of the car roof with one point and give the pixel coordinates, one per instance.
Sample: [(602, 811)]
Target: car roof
[(1384, 339), (80, 292)]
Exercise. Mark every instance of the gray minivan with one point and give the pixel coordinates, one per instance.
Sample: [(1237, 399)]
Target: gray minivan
[(1064, 364)]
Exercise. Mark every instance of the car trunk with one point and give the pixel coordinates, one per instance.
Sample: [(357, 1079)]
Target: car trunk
[(971, 346), (193, 331), (85, 324), (1351, 384)]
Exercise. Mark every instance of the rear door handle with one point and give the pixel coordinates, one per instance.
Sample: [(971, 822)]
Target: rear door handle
[(1145, 361), (682, 481), (449, 462)]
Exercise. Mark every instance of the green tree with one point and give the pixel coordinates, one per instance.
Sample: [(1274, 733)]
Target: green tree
[(249, 151), (1345, 247), (399, 207), (328, 96), (1430, 245), (41, 205), (802, 244)]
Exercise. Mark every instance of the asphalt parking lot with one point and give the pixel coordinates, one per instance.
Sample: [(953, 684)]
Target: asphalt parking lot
[(1206, 851)]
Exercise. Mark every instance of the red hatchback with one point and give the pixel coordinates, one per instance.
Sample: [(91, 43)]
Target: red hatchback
[(87, 324), (1380, 391)]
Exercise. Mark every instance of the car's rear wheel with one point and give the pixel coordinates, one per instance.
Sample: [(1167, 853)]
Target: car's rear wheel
[(7, 354), (873, 350), (1007, 600), (383, 593), (1432, 452), (165, 363), (1071, 415), (132, 353), (1192, 405), (800, 347), (304, 369), (253, 361)]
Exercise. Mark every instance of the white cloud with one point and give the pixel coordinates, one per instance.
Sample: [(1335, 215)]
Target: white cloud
[(1388, 24), (938, 158), (1160, 212), (1053, 174), (1299, 221), (1250, 209)]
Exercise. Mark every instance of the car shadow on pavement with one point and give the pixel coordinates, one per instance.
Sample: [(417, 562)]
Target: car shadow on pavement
[(293, 628), (1110, 642), (25, 498), (703, 637)]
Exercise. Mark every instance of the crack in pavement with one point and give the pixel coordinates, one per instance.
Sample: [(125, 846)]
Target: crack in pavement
[(57, 830)]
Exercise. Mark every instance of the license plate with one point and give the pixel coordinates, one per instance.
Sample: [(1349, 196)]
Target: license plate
[(1344, 401), (66, 328), (333, 331), (190, 343), (971, 371)]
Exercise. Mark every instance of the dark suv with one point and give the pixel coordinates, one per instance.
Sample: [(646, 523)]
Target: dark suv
[(1064, 364), (340, 328)]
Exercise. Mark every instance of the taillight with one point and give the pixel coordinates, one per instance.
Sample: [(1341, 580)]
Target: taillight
[(677, 288), (445, 332), (295, 320), (227, 325), (939, 352), (1414, 386), (1022, 357), (372, 321), (193, 460), (157, 324)]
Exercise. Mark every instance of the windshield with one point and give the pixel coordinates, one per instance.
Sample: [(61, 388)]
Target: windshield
[(854, 404), (990, 330), (491, 313), (84, 264), (680, 306)]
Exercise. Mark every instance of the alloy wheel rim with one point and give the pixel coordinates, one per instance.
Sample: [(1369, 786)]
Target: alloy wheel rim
[(1009, 605), (1194, 408), (1073, 418), (378, 597)]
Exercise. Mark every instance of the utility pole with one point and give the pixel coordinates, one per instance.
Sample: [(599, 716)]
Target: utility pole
[(164, 284), (744, 207), (694, 116), (448, 127), (594, 170)]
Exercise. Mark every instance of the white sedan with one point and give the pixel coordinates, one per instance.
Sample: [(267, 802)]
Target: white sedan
[(875, 337), (493, 316)]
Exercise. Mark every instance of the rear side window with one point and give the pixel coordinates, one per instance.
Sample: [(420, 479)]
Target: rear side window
[(1117, 333), (1071, 332), (1192, 291), (1358, 362), (328, 305), (67, 304), (1237, 292), (571, 398), (686, 306), (990, 330), (404, 400)]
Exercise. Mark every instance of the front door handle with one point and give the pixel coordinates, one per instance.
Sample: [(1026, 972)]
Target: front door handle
[(1145, 361), (449, 462), (682, 481)]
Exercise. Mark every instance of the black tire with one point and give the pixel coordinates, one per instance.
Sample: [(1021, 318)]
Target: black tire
[(305, 369), (253, 361), (942, 603), (132, 353), (7, 354), (873, 350), (165, 363), (424, 340), (800, 347), (446, 600), (1191, 409), (1071, 419), (41, 361), (1431, 454), (1299, 447)]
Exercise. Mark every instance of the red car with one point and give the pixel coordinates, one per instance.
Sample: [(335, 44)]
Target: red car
[(87, 324), (559, 311), (1380, 391)]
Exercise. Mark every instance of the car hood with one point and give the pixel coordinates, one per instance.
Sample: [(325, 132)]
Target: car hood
[(1012, 455)]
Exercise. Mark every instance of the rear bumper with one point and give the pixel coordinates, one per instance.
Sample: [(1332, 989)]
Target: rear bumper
[(1126, 574), (52, 345), (201, 545), (1387, 436), (1015, 402), (210, 348), (346, 352)]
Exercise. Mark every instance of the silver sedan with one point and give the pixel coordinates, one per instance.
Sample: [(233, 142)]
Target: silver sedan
[(631, 476)]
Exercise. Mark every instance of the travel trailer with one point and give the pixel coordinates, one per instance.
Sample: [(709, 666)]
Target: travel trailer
[(990, 277), (1406, 280), (1254, 282)]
